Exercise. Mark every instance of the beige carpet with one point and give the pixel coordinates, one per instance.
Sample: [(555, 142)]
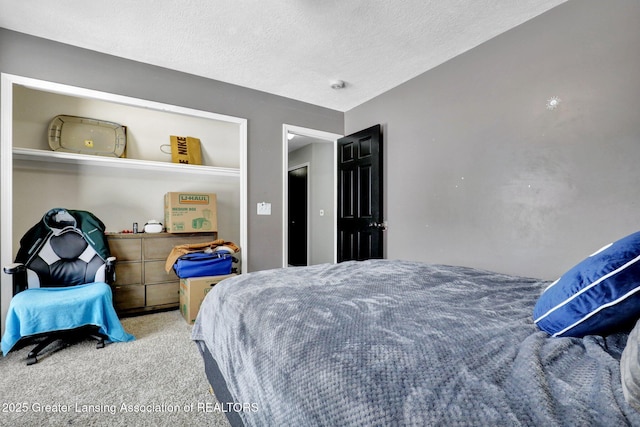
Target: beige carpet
[(157, 380)]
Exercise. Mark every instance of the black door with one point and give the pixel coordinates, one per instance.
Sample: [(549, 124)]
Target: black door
[(360, 222), (298, 216)]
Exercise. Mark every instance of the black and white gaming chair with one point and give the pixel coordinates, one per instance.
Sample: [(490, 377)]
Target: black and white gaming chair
[(61, 284), (65, 258)]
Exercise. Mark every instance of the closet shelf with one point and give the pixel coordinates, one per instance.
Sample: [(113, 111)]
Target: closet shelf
[(31, 154)]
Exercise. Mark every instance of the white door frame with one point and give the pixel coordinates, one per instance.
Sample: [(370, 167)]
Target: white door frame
[(312, 133)]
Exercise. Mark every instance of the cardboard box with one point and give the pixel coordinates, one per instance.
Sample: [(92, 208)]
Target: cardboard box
[(192, 293), (190, 212)]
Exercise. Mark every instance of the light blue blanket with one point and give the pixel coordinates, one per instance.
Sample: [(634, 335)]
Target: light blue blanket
[(66, 308)]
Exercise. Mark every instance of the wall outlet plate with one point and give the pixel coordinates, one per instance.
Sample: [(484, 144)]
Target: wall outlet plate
[(264, 208)]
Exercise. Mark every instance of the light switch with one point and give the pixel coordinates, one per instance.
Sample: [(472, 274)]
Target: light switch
[(264, 208)]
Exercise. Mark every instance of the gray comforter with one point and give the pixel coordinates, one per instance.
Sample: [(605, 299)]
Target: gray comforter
[(394, 343)]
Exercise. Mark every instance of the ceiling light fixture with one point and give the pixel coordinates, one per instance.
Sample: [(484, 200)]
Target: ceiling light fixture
[(337, 84), (553, 102)]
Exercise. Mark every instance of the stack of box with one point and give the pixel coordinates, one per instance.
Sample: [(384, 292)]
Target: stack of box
[(191, 213)]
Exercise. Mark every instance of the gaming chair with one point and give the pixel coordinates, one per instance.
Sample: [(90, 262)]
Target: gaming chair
[(61, 286)]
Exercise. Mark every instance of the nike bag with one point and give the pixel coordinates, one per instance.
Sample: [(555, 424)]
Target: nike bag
[(185, 149)]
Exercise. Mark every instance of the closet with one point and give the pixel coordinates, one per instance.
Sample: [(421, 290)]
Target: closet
[(120, 191)]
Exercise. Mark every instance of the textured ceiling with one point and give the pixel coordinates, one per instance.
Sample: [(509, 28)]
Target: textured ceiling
[(292, 48)]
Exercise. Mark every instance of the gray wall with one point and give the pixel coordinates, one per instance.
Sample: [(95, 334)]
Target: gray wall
[(42, 59), (322, 189), (541, 188), (480, 173)]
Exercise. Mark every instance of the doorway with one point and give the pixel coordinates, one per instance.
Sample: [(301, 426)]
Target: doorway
[(298, 215), (318, 149)]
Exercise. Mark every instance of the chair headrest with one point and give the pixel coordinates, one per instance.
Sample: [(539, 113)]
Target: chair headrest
[(59, 219)]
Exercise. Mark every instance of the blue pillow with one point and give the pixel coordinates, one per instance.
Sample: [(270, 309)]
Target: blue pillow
[(598, 296)]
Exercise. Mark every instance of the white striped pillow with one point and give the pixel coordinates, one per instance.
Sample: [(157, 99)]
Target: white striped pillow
[(598, 296)]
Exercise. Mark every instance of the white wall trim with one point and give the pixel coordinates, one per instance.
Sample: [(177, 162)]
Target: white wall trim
[(6, 194)]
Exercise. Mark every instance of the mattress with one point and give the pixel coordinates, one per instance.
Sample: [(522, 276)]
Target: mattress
[(402, 343)]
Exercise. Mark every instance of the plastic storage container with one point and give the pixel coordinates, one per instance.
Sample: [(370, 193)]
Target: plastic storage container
[(87, 136)]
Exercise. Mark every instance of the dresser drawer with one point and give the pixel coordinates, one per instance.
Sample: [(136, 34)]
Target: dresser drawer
[(128, 273), (126, 249), (154, 272), (165, 293), (160, 248), (128, 296)]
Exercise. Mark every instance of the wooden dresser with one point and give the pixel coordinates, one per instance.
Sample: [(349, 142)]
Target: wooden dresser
[(142, 285)]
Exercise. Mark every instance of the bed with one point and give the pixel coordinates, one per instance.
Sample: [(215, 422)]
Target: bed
[(400, 343)]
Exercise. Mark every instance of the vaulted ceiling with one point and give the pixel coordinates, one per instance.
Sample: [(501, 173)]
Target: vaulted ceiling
[(292, 48)]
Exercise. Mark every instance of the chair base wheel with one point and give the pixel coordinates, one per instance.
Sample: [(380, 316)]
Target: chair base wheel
[(65, 339)]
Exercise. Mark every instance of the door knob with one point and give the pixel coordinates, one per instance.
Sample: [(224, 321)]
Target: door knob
[(379, 225)]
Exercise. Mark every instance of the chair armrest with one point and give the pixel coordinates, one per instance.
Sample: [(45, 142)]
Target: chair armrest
[(19, 273), (110, 270), (13, 268)]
